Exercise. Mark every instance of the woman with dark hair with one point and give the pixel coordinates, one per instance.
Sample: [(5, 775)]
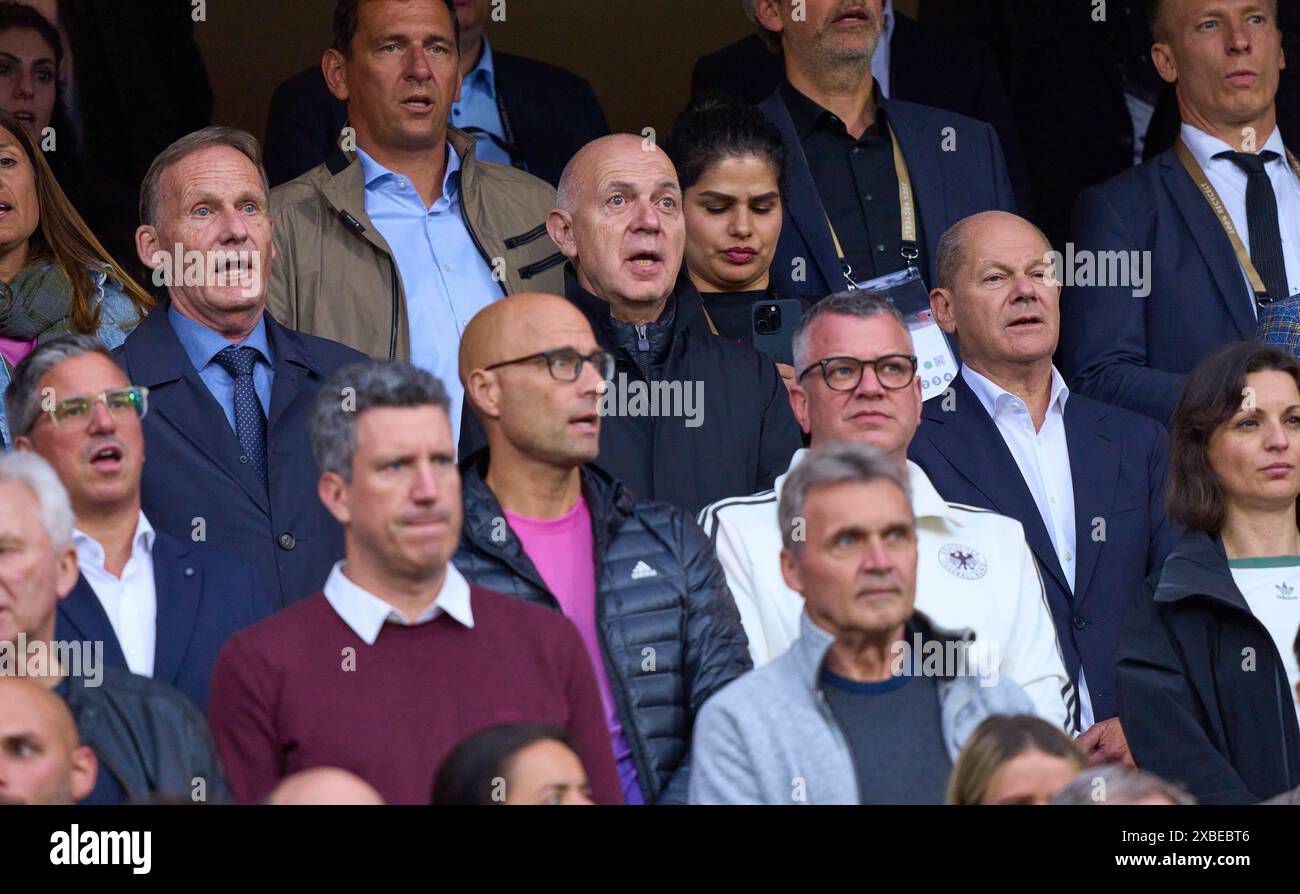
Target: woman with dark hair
[(1014, 759), (517, 763), (731, 165), (55, 276), (1205, 670)]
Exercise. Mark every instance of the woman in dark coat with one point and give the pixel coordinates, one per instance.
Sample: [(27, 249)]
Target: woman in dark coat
[(1206, 673)]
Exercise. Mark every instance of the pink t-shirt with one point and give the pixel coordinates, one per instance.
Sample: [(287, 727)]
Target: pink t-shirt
[(564, 554), (14, 350)]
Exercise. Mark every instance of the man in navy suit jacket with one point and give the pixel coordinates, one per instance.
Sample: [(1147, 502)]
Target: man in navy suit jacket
[(230, 389), (163, 607), (1132, 344), (1087, 481), (842, 171)]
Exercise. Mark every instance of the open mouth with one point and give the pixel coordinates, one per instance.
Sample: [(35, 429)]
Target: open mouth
[(586, 422), (853, 15), (25, 117), (1020, 323), (106, 458), (418, 103), (645, 261)]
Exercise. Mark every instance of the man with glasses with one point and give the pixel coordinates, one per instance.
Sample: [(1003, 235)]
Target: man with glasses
[(856, 383), (1086, 479), (546, 525), (163, 607)]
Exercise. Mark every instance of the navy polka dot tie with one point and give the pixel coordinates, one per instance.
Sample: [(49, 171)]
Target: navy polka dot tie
[(250, 421)]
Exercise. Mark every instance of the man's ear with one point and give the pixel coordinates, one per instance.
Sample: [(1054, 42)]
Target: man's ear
[(147, 247), (1163, 57), (66, 572), (941, 310), (333, 493), (333, 65), (559, 225), (790, 570), (483, 392), (768, 13), (799, 406), (85, 768)]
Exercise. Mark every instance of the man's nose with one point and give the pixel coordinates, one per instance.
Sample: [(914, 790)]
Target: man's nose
[(234, 227), (876, 558), (424, 489), (1238, 37), (417, 65), (101, 418)]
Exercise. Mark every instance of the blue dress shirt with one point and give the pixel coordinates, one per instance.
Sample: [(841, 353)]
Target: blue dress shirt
[(201, 344), (445, 278), (478, 108)]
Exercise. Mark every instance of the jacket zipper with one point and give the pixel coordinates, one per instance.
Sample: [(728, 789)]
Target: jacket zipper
[(479, 245), (392, 338)]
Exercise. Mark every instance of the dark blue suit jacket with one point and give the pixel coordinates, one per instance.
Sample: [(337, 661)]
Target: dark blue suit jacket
[(1135, 352), (194, 478), (203, 597), (947, 186), (1117, 464)]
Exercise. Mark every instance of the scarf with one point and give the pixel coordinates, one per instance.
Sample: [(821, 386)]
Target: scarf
[(37, 299)]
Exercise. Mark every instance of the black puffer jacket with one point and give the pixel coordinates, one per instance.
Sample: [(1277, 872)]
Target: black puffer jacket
[(677, 605), (1203, 694)]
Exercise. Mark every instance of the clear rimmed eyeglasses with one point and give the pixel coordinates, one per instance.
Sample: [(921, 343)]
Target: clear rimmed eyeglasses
[(75, 413), (565, 364), (893, 371)]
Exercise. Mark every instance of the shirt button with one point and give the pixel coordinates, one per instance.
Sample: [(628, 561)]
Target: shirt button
[(868, 197), (880, 247), (1067, 556), (857, 150), (287, 540), (243, 459)]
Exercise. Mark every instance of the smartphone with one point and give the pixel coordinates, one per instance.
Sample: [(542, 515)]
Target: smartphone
[(773, 327)]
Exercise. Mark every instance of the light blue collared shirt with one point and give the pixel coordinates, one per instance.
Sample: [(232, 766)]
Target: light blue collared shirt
[(367, 614), (445, 278), (478, 108), (201, 344), (880, 60)]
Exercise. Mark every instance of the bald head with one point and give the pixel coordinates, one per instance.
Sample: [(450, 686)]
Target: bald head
[(534, 411), (41, 758), (953, 249), (619, 221), (324, 786)]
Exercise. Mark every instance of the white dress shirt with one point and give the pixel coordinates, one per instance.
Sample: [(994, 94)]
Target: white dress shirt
[(367, 614), (131, 601), (1229, 181), (1043, 457)]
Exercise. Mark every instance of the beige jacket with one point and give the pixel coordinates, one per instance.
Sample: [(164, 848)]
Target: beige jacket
[(334, 275)]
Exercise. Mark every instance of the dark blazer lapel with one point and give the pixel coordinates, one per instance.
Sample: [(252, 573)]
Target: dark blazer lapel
[(1094, 471), (82, 618), (1213, 243), (179, 587), (294, 362), (804, 208), (926, 173), (970, 441)]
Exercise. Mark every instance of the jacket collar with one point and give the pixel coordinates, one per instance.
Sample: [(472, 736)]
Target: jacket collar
[(926, 501), (1198, 567), (688, 310)]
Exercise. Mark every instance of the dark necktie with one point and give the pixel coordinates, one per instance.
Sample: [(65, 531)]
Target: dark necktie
[(250, 422), (1261, 221)]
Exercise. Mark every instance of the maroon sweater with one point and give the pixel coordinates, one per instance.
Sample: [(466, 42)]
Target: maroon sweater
[(286, 695)]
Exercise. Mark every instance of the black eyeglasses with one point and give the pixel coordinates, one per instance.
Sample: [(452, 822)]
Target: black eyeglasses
[(565, 364), (893, 371)]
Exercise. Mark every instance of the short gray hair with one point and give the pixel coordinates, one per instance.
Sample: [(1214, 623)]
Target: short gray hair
[(1119, 785), (216, 135), (851, 303), (833, 464), (950, 253), (32, 471), (23, 398), (771, 39), (351, 391)]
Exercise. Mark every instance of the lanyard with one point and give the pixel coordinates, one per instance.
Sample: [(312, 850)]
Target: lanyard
[(906, 214), (1202, 182)]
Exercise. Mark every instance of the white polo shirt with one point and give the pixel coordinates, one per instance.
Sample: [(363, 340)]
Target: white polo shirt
[(974, 571)]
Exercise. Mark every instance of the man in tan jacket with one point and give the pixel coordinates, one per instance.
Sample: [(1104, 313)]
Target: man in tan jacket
[(395, 242)]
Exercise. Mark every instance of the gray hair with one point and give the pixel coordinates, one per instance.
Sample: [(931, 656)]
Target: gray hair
[(1119, 785), (852, 303), (950, 253), (771, 39), (351, 391), (30, 470), (216, 135), (833, 464), (23, 398)]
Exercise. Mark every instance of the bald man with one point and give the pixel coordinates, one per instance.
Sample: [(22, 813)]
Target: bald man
[(324, 786), (41, 759), (1086, 480), (543, 523), (692, 417)]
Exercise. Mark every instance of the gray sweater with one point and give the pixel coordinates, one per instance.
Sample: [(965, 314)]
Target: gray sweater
[(769, 737)]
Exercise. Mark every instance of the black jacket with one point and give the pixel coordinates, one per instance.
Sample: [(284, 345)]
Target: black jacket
[(548, 114), (1203, 695), (669, 629), (739, 445), (147, 735)]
